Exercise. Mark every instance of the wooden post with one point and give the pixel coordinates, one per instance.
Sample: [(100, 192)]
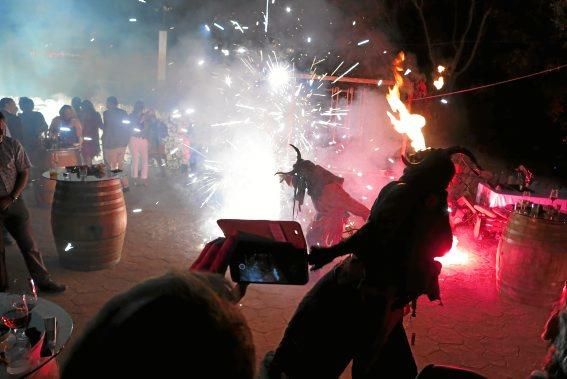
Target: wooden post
[(162, 56)]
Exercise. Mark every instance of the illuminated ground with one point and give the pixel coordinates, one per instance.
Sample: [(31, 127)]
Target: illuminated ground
[(474, 328)]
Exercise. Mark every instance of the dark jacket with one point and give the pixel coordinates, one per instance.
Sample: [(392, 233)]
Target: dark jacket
[(33, 126), (117, 128)]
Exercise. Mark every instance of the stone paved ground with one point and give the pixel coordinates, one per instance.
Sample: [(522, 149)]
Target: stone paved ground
[(474, 328)]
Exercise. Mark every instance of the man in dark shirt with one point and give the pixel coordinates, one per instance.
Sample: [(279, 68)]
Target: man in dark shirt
[(14, 175), (116, 136), (9, 109), (76, 104), (33, 126)]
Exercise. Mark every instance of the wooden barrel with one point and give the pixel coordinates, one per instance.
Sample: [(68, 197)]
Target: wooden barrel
[(43, 191), (88, 220), (45, 188), (531, 260)]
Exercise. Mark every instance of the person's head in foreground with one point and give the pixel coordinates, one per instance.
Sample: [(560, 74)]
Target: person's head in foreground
[(177, 325)]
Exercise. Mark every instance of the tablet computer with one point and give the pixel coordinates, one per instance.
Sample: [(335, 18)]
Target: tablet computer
[(267, 252)]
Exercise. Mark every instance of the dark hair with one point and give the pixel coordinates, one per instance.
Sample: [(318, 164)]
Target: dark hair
[(88, 106), (2, 116), (176, 323), (5, 101), (138, 106), (26, 104), (64, 108), (76, 102), (112, 100)]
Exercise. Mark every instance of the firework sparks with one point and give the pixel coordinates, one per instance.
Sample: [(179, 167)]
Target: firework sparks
[(265, 106), (228, 123), (279, 76), (267, 16), (237, 26), (337, 69), (228, 81), (346, 72)]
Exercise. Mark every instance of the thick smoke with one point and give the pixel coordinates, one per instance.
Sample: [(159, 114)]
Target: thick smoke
[(219, 80)]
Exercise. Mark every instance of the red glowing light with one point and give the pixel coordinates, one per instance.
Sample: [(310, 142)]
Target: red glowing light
[(455, 256)]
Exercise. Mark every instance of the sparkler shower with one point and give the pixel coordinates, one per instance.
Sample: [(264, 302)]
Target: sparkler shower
[(256, 102), (266, 76)]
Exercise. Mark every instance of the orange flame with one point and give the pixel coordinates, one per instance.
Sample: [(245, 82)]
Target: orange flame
[(403, 121), (440, 81)]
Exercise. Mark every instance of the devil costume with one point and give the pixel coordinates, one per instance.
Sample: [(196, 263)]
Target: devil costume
[(332, 203), (355, 311)]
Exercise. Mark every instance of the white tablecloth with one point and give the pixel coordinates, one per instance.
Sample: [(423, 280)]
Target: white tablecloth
[(487, 196)]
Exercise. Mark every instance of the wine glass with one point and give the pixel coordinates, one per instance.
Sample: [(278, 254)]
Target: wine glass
[(22, 296), (16, 314)]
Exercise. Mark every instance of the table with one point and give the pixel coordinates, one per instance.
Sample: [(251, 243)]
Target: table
[(88, 220), (44, 309), (485, 195)]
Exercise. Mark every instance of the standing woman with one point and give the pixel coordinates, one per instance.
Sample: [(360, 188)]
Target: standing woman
[(139, 145), (67, 128), (91, 122), (157, 133)]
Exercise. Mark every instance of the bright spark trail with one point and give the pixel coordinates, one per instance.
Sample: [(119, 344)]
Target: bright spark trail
[(346, 72)]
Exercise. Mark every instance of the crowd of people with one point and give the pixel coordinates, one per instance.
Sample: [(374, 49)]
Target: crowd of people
[(23, 140), (80, 124)]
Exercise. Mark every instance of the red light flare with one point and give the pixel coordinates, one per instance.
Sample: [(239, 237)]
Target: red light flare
[(457, 256)]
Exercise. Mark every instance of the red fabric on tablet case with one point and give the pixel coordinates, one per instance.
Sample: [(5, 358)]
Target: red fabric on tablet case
[(207, 256), (222, 258)]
